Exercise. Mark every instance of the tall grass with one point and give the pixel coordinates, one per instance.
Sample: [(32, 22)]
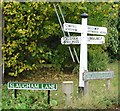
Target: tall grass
[(98, 98)]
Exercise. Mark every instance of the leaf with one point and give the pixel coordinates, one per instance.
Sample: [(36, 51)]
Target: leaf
[(53, 103)]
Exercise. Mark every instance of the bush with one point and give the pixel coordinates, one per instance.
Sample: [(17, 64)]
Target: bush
[(25, 29), (32, 33), (97, 60)]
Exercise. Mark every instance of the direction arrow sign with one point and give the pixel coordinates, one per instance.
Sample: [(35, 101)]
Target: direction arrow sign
[(97, 30), (95, 39), (69, 27), (70, 40), (77, 40)]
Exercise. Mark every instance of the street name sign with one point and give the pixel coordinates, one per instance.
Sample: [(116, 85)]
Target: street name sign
[(31, 86), (97, 30), (69, 27), (71, 40), (98, 75)]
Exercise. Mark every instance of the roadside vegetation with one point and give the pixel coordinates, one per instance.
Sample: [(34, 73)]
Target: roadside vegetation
[(98, 98), (33, 52)]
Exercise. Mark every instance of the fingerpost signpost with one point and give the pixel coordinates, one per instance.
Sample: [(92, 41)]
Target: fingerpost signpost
[(83, 40)]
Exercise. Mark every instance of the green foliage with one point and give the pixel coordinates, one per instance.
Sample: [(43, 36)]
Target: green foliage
[(113, 42), (76, 70), (118, 28), (53, 103), (25, 99), (98, 98), (113, 37), (26, 27), (108, 101), (62, 57), (97, 60), (32, 33)]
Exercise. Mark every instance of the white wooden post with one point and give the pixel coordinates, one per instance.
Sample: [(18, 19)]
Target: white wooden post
[(83, 52), (83, 28)]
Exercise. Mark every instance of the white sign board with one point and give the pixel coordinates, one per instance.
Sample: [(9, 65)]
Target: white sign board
[(69, 27), (71, 40), (97, 30), (77, 40), (95, 39)]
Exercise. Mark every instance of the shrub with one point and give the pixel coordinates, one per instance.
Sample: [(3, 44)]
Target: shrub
[(97, 60)]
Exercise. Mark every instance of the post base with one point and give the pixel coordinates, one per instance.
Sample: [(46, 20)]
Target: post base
[(81, 90)]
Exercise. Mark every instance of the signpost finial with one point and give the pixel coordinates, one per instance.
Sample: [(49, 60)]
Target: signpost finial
[(84, 15)]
